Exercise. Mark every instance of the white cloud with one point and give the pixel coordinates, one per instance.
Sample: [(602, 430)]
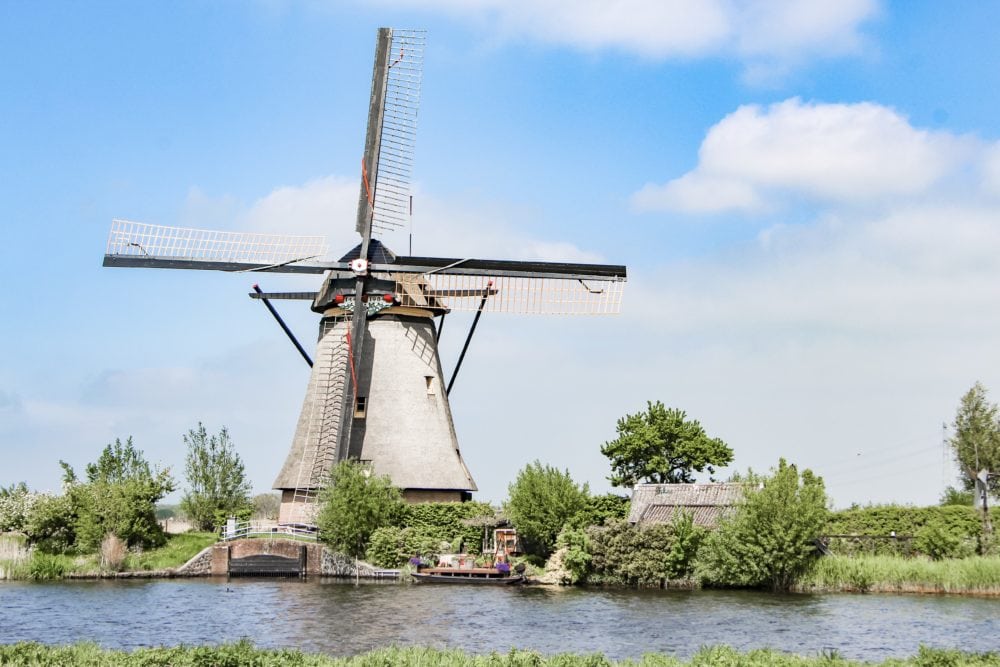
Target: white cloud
[(848, 153), (991, 170), (762, 34)]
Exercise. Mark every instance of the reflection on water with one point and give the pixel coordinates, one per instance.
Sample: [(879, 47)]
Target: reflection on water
[(341, 618)]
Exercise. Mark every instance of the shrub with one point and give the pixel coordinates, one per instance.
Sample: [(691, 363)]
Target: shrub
[(51, 524), (599, 510), (644, 556), (962, 524), (391, 546), (770, 540), (113, 551), (354, 505), (935, 540), (541, 501), (575, 548), (445, 522)]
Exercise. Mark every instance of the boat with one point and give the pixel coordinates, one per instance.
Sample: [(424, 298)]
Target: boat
[(467, 575)]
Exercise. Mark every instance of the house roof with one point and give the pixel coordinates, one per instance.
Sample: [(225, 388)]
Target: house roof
[(660, 503)]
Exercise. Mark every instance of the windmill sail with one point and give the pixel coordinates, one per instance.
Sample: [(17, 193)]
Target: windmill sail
[(392, 130), (137, 244)]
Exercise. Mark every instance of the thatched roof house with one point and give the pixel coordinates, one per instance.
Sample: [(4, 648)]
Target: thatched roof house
[(660, 503)]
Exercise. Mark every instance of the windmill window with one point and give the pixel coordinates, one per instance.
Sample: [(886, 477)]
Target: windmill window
[(431, 390), (360, 407)]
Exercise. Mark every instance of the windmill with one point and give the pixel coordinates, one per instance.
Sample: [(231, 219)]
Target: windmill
[(376, 391)]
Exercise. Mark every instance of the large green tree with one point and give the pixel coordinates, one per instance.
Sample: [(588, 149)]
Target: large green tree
[(975, 439), (770, 540), (217, 481), (661, 445), (354, 504), (540, 502), (119, 496)]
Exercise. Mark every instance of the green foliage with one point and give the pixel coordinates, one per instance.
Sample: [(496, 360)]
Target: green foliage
[(51, 523), (444, 521), (43, 566), (644, 556), (119, 496), (541, 501), (244, 653), (977, 575), (602, 509), (218, 485), (962, 524), (770, 540), (660, 445), (576, 557), (16, 502), (354, 505), (391, 546), (953, 496), (266, 506), (936, 541), (178, 550), (975, 439)]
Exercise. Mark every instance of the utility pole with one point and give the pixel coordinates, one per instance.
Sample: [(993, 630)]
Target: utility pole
[(983, 490)]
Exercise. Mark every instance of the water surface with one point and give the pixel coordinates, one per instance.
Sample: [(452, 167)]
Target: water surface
[(342, 618)]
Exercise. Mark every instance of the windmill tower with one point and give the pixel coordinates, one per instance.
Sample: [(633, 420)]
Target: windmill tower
[(376, 392)]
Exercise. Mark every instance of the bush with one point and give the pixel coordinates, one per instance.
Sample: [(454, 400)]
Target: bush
[(391, 546), (771, 539), (959, 524), (574, 547), (354, 505), (938, 542), (599, 510), (113, 552), (444, 521), (541, 501), (644, 556), (51, 524)]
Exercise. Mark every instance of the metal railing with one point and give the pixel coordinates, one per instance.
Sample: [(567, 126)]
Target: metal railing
[(251, 529)]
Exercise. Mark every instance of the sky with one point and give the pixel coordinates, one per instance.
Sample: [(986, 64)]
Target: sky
[(806, 195)]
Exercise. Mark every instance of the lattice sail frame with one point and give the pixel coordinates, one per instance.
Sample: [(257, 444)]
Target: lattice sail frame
[(139, 239), (524, 295), (399, 130)]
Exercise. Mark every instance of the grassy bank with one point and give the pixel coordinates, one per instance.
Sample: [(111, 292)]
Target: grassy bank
[(976, 575), (17, 562), (243, 653)]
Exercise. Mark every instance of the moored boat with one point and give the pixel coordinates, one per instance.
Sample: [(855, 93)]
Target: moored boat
[(473, 575)]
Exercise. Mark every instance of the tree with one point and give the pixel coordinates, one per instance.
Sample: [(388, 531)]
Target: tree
[(119, 496), (975, 440), (541, 501), (218, 483), (770, 540), (661, 446), (354, 504), (266, 506)]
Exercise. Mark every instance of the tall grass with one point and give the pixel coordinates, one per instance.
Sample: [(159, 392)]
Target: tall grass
[(978, 574), (113, 550), (178, 550), (14, 556), (243, 653)]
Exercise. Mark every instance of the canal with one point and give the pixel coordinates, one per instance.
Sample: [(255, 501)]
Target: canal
[(341, 618)]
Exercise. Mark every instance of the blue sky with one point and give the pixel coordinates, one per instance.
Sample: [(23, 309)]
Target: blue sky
[(807, 196)]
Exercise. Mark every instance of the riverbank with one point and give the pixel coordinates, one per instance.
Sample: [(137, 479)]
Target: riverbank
[(244, 653), (976, 575), (17, 562)]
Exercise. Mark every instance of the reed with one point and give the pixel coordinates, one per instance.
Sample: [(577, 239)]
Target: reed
[(244, 653), (14, 556), (975, 575)]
